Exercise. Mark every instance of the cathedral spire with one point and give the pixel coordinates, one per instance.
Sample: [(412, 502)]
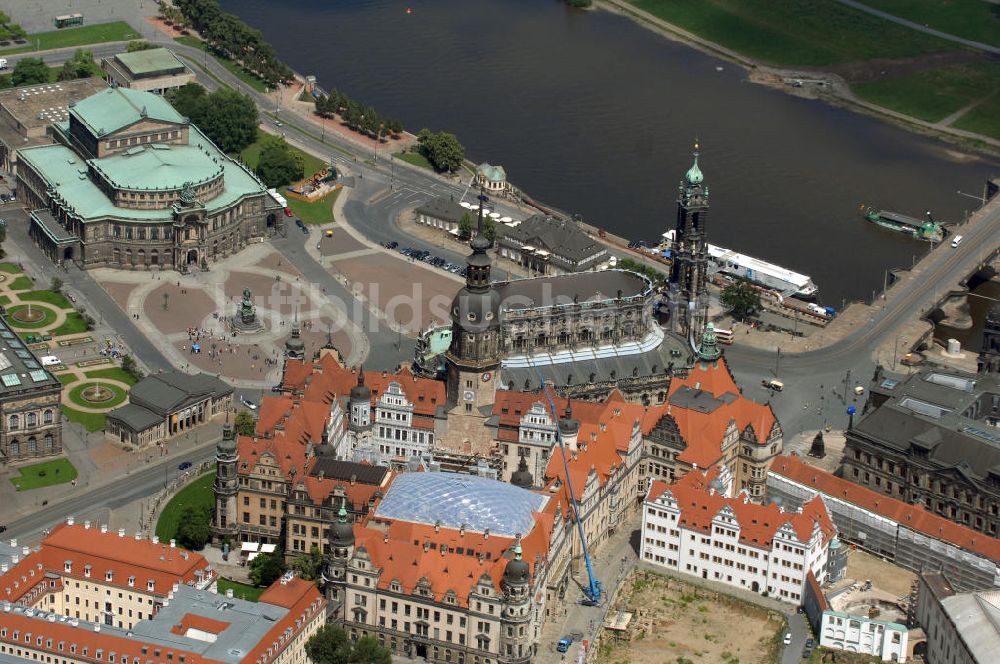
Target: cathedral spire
[(694, 175)]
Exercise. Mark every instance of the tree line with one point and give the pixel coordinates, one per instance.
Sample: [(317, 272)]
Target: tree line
[(357, 116), (234, 39), (227, 117)]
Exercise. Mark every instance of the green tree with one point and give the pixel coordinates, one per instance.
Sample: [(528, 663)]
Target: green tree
[(741, 298), (30, 70), (278, 165), (81, 65), (245, 424), (139, 45), (367, 650), (394, 127), (441, 149), (190, 100), (131, 367), (658, 278), (310, 565), (329, 645), (465, 226), (230, 120), (193, 531), (56, 284), (490, 229), (267, 568)]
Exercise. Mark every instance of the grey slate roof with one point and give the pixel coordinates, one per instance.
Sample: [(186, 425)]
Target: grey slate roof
[(560, 237), (563, 288), (135, 417), (345, 470), (164, 393), (930, 409), (20, 370), (444, 208)]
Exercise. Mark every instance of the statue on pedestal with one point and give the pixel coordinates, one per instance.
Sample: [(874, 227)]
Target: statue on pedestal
[(246, 319)]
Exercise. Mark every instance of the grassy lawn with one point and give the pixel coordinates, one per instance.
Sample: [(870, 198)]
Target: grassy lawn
[(933, 94), (47, 296), (4, 300), (67, 378), (47, 473), (10, 268), (198, 493), (240, 590), (983, 119), (251, 155), (46, 320), (73, 324), (87, 34), (114, 373), (235, 69), (76, 396), (21, 283), (415, 159), (90, 421), (971, 19), (795, 32), (317, 212)]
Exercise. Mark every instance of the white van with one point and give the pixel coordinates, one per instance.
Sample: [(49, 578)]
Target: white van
[(3, 63), (957, 241)]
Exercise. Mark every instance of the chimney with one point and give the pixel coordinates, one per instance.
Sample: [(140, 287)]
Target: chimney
[(354, 479), (437, 526), (69, 520), (104, 528), (176, 587), (173, 544), (25, 550), (121, 532), (86, 525), (13, 541), (97, 627), (486, 533), (155, 539), (138, 536)]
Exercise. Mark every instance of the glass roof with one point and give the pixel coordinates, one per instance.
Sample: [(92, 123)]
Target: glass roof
[(457, 499)]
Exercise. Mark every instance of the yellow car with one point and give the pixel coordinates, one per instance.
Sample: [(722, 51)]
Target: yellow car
[(329, 233)]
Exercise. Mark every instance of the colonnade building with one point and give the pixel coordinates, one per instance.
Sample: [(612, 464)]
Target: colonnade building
[(131, 183)]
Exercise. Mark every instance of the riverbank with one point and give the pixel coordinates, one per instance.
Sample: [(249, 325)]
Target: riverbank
[(896, 80)]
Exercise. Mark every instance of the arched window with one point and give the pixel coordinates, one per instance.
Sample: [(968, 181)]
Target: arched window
[(14, 448), (14, 422), (47, 416), (31, 419), (32, 445), (48, 442)]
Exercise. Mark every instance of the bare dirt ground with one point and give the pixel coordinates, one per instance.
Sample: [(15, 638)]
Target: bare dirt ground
[(885, 576), (674, 622)]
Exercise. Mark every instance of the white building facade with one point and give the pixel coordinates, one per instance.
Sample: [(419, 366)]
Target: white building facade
[(733, 541), (854, 633)]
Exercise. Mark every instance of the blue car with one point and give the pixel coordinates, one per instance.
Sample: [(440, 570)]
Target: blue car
[(184, 465), (564, 645)]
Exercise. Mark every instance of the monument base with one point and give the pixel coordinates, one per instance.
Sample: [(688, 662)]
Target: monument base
[(239, 326)]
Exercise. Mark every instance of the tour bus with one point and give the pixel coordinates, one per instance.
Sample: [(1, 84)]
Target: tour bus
[(723, 336), (68, 20)]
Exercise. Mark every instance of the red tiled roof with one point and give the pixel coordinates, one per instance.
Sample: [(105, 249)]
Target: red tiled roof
[(698, 505), (303, 602), (202, 623), (914, 517)]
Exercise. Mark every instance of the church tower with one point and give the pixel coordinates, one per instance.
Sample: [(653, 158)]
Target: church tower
[(474, 355), (225, 521), (516, 638), (989, 356), (340, 544), (688, 273)]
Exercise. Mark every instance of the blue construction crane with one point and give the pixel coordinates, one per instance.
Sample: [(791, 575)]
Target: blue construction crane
[(595, 592)]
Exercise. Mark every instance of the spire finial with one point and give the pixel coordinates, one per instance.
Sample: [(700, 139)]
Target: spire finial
[(694, 175), (342, 512), (361, 375), (517, 551)]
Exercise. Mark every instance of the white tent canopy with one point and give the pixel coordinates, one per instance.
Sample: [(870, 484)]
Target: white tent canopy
[(267, 548), (248, 546)]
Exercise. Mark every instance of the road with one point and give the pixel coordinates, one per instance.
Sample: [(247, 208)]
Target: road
[(117, 492)]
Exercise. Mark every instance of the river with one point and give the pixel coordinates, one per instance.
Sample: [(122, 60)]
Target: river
[(594, 114)]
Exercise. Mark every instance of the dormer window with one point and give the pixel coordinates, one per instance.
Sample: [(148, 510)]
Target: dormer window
[(109, 575), (86, 571), (131, 582), (150, 585), (68, 566)]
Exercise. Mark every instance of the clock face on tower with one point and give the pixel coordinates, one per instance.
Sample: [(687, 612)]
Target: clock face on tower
[(469, 395)]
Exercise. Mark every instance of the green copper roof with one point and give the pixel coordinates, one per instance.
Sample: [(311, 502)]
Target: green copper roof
[(109, 110), (159, 167), (68, 176), (694, 175), (150, 61), (709, 350), (492, 173)]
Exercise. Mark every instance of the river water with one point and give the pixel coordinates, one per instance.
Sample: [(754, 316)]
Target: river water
[(592, 113)]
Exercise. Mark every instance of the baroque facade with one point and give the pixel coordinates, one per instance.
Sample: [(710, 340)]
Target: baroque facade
[(30, 417), (132, 184)]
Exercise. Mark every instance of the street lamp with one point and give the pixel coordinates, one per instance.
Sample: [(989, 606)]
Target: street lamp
[(378, 137), (981, 199)]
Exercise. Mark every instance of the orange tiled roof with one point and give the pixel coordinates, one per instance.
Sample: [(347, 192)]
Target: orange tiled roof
[(698, 505), (914, 517), (303, 602), (203, 623)]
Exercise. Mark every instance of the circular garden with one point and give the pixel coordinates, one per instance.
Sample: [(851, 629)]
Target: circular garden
[(92, 394), (31, 317)]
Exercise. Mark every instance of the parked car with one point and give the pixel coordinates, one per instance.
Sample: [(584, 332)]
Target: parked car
[(636, 244), (299, 223), (305, 229), (249, 404), (810, 643), (288, 212), (391, 245), (564, 644), (184, 465), (788, 638)]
